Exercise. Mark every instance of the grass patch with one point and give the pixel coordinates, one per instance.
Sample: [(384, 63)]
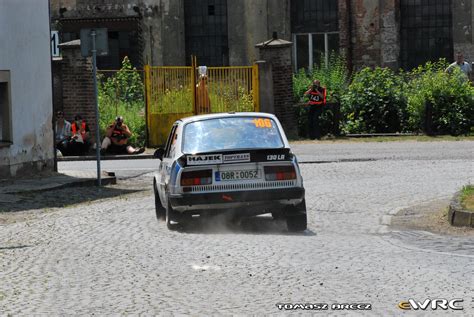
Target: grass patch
[(467, 197)]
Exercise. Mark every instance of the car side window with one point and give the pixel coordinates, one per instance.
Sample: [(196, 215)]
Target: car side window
[(173, 144), (170, 144)]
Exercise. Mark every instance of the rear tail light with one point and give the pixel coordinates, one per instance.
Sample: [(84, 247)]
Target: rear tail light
[(193, 178), (279, 173)]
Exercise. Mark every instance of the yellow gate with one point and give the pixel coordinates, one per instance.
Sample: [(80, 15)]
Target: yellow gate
[(177, 92)]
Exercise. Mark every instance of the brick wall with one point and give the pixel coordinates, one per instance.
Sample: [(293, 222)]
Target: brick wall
[(345, 30), (78, 86), (282, 73)]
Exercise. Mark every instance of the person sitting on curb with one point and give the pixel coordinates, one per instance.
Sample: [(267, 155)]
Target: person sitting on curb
[(116, 139), (79, 141), (62, 129)]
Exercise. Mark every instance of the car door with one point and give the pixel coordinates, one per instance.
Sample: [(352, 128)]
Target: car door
[(167, 162)]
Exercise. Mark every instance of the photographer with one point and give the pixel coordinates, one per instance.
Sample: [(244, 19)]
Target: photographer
[(317, 100), (116, 139)]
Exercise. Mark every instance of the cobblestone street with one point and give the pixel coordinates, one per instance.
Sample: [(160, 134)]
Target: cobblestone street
[(105, 253)]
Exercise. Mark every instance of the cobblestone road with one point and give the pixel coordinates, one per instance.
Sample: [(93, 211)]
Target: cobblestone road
[(111, 256)]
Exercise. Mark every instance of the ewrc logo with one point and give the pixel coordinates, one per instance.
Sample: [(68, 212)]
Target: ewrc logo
[(205, 159), (434, 304)]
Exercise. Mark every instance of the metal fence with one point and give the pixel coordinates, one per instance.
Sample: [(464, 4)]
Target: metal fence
[(177, 92)]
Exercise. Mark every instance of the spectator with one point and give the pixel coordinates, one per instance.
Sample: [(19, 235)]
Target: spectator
[(463, 65), (62, 130), (203, 102), (79, 142), (317, 100), (116, 139)]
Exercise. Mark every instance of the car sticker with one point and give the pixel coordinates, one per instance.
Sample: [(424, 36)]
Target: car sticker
[(204, 159), (276, 157), (262, 123), (237, 158)]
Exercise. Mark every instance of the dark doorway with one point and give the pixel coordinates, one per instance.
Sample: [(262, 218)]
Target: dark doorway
[(206, 32), (123, 36)]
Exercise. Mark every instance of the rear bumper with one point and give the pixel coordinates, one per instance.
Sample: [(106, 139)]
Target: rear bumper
[(269, 198)]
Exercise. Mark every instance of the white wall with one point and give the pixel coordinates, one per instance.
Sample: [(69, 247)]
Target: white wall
[(25, 51)]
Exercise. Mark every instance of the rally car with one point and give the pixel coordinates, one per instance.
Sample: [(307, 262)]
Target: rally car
[(237, 164)]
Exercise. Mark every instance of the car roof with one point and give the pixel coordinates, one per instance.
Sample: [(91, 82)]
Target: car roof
[(226, 115)]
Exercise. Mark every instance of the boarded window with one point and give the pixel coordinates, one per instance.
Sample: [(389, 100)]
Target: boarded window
[(206, 31), (314, 16), (426, 31)]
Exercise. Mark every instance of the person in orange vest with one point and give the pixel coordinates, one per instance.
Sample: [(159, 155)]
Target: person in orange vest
[(317, 100), (79, 141), (116, 139)]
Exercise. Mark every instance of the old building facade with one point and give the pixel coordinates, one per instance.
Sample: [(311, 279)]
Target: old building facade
[(393, 33), (26, 134)]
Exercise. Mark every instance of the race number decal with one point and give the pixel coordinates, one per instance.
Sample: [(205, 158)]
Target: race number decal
[(262, 123)]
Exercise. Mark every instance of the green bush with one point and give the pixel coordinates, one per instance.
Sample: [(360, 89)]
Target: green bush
[(334, 76), (450, 96), (374, 102), (326, 120), (122, 94)]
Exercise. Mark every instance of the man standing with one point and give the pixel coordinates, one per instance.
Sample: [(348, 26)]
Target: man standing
[(317, 100), (463, 65)]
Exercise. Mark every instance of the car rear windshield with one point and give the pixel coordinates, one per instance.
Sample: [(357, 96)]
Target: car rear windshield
[(231, 133)]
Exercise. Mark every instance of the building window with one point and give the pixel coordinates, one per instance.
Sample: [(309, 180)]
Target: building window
[(313, 48), (315, 29), (206, 31), (426, 31), (5, 109)]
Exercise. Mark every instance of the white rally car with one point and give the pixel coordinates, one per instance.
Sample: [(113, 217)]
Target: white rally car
[(239, 164)]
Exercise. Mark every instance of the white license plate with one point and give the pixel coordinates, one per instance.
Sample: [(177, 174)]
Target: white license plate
[(237, 175)]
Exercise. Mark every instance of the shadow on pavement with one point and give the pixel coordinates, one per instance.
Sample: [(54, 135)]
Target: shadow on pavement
[(61, 198), (253, 225)]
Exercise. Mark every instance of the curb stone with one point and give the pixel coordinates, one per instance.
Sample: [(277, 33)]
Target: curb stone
[(30, 186), (457, 215), (105, 157)]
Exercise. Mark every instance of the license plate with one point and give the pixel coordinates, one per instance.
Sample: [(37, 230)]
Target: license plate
[(237, 175)]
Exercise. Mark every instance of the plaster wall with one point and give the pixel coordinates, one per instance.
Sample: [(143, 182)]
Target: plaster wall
[(254, 21), (24, 29)]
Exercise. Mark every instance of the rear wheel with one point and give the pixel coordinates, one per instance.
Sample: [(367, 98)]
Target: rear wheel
[(160, 211), (296, 219)]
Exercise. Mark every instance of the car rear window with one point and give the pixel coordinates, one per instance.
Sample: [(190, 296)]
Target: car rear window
[(231, 133)]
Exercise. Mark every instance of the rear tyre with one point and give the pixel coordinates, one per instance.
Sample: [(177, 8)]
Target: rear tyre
[(296, 219), (160, 211)]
